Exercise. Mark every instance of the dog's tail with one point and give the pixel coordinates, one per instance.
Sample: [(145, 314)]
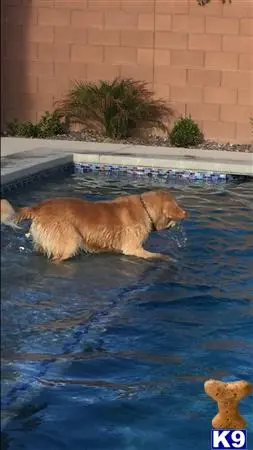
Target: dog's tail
[(11, 217)]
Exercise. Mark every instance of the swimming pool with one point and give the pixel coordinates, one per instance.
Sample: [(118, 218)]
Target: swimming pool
[(111, 352)]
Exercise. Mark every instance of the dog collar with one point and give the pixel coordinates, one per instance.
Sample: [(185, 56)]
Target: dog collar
[(148, 214)]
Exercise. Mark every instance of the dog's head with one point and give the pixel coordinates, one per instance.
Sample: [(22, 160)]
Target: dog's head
[(163, 209)]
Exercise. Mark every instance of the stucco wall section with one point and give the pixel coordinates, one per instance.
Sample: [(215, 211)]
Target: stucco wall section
[(199, 58)]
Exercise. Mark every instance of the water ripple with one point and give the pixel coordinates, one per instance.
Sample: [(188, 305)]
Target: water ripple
[(114, 343)]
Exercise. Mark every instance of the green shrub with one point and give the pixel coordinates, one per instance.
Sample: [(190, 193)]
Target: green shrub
[(22, 129), (119, 108), (49, 125), (12, 127), (186, 133)]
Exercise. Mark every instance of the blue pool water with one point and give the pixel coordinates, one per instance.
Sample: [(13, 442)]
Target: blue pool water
[(110, 352)]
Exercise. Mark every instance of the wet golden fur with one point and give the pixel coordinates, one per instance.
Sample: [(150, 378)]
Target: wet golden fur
[(62, 227)]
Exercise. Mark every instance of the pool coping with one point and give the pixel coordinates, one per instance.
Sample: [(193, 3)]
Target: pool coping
[(21, 157)]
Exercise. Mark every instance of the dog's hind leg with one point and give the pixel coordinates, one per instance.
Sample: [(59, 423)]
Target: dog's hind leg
[(65, 250), (58, 259), (58, 242), (38, 248), (67, 253)]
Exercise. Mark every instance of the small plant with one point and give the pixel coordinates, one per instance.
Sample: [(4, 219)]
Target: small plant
[(118, 108), (186, 133), (12, 128), (22, 129), (49, 125)]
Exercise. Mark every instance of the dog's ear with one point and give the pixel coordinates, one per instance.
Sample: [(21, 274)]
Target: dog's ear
[(155, 203)]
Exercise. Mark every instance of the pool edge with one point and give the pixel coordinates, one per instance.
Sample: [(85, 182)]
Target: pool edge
[(36, 156)]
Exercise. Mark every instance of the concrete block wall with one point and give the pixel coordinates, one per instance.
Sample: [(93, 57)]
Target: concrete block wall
[(199, 58)]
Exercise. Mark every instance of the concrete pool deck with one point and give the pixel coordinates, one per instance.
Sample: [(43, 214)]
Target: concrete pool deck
[(21, 157)]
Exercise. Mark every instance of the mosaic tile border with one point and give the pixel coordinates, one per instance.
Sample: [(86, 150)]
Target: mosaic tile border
[(39, 176), (135, 171), (154, 172)]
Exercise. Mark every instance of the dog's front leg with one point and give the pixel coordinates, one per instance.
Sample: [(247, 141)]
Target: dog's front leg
[(142, 253)]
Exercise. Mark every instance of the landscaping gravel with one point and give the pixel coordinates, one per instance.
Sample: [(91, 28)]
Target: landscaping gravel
[(153, 141), (156, 141)]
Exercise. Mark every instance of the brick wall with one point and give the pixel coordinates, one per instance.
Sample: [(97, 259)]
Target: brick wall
[(199, 58)]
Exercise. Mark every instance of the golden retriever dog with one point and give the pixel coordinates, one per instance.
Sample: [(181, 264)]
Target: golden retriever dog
[(61, 227)]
